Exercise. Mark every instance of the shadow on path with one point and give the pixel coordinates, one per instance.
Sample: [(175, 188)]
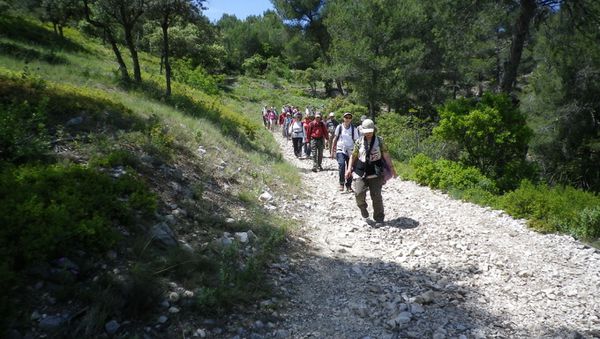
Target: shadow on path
[(403, 223)]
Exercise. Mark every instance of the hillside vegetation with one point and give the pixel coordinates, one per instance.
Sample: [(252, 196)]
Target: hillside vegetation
[(90, 168)]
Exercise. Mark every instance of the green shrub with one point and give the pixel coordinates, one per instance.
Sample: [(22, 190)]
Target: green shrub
[(449, 175), (61, 103), (196, 77), (278, 68), (255, 65), (492, 134), (406, 136), (588, 224), (23, 135), (49, 210), (552, 209)]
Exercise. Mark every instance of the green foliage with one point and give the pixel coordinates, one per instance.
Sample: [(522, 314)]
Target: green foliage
[(449, 175), (562, 102), (278, 68), (552, 209), (492, 134), (339, 105), (196, 77), (62, 103), (23, 135), (50, 210), (28, 54), (239, 279), (30, 31), (254, 65), (407, 136)]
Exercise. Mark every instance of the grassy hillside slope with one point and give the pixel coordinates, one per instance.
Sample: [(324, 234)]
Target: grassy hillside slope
[(89, 168)]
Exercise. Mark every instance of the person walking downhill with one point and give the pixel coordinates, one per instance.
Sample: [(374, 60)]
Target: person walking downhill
[(296, 130), (317, 135), (368, 156), (286, 125), (342, 146), (307, 120), (272, 116), (331, 124)]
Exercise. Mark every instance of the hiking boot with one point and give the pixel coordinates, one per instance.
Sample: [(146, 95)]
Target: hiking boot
[(315, 170), (364, 213), (320, 168), (349, 189), (341, 188), (378, 224)]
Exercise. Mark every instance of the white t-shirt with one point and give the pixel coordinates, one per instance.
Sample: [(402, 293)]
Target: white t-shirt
[(345, 142)]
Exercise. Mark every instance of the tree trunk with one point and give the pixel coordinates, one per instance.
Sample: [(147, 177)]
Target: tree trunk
[(60, 31), (120, 61), (137, 74), (521, 30), (340, 88), (165, 28), (109, 36)]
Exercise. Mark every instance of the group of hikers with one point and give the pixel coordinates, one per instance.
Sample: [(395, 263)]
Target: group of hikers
[(362, 156)]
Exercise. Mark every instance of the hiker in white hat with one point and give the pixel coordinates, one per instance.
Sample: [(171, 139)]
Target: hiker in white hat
[(368, 159)]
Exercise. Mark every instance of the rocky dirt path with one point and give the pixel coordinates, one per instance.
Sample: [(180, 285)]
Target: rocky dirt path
[(439, 268)]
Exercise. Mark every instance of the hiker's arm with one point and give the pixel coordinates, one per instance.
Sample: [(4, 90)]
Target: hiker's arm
[(350, 165), (333, 147), (334, 144)]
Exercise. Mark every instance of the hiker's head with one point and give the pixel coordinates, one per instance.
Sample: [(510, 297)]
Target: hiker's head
[(318, 115), (331, 115), (368, 127), (347, 117)]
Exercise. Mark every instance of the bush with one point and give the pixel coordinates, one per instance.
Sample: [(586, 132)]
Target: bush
[(58, 104), (254, 66), (196, 77), (552, 209), (407, 136), (492, 134), (49, 210), (23, 135), (449, 175)]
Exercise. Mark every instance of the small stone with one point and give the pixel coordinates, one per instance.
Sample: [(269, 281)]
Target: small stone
[(170, 218), (241, 237), (162, 319), (200, 333), (416, 308), (173, 310), (74, 121), (51, 323), (229, 221), (282, 334), (35, 315), (265, 196), (174, 297), (111, 327)]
